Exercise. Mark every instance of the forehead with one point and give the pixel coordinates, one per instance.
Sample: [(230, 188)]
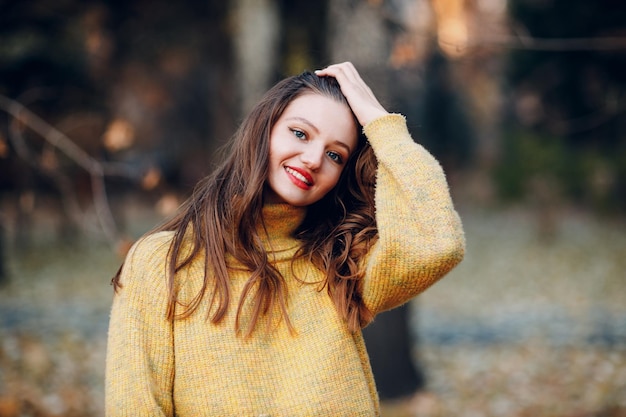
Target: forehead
[(312, 98)]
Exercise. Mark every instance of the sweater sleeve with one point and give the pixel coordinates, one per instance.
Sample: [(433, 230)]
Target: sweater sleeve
[(140, 357), (420, 234)]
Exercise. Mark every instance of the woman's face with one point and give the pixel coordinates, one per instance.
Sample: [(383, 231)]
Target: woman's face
[(310, 145)]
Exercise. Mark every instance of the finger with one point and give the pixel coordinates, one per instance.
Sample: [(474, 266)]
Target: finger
[(332, 70), (347, 76), (348, 69), (344, 70)]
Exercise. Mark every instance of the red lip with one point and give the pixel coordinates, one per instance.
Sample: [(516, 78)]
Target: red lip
[(297, 181)]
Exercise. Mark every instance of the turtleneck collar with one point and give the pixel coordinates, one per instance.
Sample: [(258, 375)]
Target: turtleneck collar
[(280, 221)]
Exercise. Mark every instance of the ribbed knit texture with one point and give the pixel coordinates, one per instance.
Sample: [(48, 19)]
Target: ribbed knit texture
[(191, 367)]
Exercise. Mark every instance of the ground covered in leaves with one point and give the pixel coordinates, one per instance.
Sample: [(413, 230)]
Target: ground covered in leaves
[(529, 325)]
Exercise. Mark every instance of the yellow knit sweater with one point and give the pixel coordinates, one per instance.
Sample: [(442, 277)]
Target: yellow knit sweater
[(191, 367)]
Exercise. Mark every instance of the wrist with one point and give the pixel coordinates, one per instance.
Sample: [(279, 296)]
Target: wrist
[(372, 115)]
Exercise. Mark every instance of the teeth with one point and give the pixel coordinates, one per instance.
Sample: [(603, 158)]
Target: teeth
[(297, 175)]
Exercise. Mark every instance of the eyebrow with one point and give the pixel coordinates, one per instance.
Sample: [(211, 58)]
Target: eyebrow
[(313, 127)]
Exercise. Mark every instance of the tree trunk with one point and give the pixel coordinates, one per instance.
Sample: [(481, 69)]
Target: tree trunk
[(390, 348), (256, 42)]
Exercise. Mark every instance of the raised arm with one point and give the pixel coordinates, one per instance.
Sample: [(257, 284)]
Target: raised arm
[(420, 234)]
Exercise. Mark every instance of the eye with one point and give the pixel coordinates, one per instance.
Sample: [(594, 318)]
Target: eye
[(299, 134), (335, 157)]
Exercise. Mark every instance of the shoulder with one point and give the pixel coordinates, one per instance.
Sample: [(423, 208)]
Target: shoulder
[(152, 247), (147, 257)]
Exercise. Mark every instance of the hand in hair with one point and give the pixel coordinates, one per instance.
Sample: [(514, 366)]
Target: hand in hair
[(364, 104)]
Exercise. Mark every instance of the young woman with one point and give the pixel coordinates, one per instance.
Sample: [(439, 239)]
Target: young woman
[(251, 300)]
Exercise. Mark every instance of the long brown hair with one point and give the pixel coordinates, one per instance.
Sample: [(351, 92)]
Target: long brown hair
[(226, 207)]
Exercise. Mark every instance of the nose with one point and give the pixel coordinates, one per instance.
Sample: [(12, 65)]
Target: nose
[(312, 157)]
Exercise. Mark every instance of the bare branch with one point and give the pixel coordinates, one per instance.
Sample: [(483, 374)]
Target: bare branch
[(550, 44), (70, 200), (518, 41), (96, 169)]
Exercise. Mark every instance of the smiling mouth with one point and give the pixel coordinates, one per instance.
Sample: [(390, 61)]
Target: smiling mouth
[(302, 178)]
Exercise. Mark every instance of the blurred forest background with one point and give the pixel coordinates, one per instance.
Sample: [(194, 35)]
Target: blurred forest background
[(110, 111)]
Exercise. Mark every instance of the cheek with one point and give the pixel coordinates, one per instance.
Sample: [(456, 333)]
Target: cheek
[(334, 178), (274, 155)]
